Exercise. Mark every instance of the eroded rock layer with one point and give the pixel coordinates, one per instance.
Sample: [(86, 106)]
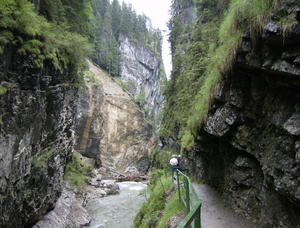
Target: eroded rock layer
[(249, 146), (110, 128)]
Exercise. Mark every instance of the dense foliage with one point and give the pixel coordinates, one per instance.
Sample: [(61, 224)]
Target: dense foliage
[(202, 52), (192, 47), (77, 172), (64, 31), (38, 38)]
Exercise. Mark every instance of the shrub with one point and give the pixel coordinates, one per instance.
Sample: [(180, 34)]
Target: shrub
[(124, 85), (3, 90), (187, 141), (173, 207), (160, 158), (77, 171), (141, 98), (149, 212)]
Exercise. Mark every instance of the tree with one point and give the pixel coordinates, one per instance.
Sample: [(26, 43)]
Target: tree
[(126, 26), (115, 13)]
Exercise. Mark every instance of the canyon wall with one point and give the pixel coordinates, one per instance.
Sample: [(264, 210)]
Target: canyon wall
[(249, 146), (141, 69), (36, 137), (110, 126)]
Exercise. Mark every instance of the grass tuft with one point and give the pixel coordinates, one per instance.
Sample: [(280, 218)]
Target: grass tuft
[(173, 207)]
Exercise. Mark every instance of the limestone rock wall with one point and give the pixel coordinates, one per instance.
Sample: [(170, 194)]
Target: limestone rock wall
[(140, 68), (110, 128), (36, 138), (249, 147)]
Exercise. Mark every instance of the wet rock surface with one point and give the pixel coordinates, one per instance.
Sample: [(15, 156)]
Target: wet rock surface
[(69, 210), (175, 220)]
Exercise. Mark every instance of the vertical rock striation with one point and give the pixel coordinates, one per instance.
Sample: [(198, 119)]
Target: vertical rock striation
[(36, 137), (109, 126), (140, 68)]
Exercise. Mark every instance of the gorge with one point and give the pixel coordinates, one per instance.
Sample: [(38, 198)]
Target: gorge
[(231, 107)]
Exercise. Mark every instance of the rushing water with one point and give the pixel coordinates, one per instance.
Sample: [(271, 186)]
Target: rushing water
[(117, 211)]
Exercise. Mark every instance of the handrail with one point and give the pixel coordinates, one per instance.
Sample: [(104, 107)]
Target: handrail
[(193, 207)]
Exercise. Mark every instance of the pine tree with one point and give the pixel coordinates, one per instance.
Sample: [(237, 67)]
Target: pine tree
[(126, 26), (116, 18)]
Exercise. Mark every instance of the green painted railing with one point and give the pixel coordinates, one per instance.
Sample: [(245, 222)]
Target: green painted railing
[(188, 196)]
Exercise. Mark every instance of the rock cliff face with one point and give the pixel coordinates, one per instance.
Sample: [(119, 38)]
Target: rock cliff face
[(249, 146), (36, 119), (109, 126), (37, 116), (140, 68)]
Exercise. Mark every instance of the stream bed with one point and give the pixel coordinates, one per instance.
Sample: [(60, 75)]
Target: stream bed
[(118, 211)]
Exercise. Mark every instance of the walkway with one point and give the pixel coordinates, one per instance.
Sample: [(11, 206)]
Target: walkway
[(214, 214)]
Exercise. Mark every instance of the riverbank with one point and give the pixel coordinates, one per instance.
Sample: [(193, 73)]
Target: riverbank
[(70, 211), (70, 208)]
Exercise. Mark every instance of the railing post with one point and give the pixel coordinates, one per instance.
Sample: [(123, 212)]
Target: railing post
[(197, 220), (178, 186), (187, 187)]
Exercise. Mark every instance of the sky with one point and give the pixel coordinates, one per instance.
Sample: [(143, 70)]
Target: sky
[(158, 12)]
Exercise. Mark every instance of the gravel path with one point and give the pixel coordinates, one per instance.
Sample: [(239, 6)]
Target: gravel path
[(214, 214)]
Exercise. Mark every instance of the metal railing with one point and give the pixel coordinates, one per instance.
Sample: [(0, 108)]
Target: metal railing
[(188, 196)]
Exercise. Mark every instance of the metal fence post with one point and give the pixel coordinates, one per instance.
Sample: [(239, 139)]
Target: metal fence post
[(187, 187), (197, 220), (178, 186)]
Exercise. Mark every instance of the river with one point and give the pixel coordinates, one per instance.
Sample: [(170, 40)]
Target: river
[(118, 211)]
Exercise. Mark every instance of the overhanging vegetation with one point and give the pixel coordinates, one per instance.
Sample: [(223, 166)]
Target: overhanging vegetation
[(200, 61), (38, 38)]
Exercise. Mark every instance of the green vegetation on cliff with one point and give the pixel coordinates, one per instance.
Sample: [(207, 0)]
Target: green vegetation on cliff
[(64, 32), (38, 38), (77, 172), (202, 52)]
